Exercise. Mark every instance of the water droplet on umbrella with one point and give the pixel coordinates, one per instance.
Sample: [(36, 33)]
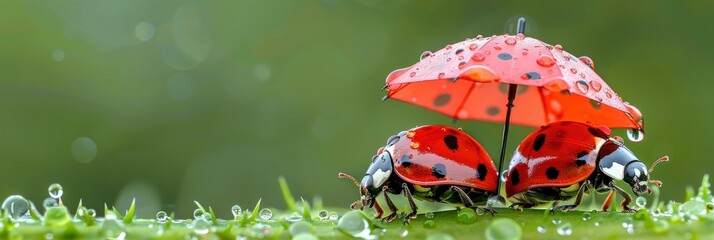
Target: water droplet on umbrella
[(412, 74), (461, 65), (322, 215), (441, 75), (582, 86), (635, 135), (236, 210), (608, 93), (473, 46), (582, 75), (265, 214), (458, 51), (448, 59), (478, 56), (426, 54), (487, 52), (524, 53), (463, 114), (573, 70), (161, 217), (565, 230), (545, 61), (511, 41), (588, 62), (461, 57), (541, 229), (497, 48), (520, 36), (448, 47), (561, 66), (55, 190), (558, 47), (479, 37)]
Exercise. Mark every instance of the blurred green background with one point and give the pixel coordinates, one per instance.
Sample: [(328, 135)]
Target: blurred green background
[(213, 100)]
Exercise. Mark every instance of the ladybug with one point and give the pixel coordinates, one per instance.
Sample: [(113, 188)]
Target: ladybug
[(566, 159), (433, 163)]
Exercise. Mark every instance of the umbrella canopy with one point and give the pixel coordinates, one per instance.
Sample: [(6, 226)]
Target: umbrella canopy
[(469, 80)]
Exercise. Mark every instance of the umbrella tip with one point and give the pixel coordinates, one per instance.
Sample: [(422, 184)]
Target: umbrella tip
[(521, 27), (385, 98), (385, 87)]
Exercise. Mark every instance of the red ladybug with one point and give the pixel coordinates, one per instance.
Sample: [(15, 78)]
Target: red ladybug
[(432, 163), (562, 160)]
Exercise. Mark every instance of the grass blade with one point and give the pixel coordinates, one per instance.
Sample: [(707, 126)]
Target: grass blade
[(289, 200), (255, 211), (130, 213), (306, 210), (213, 216)]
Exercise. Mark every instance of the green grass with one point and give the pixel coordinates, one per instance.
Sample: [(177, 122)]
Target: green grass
[(692, 219)]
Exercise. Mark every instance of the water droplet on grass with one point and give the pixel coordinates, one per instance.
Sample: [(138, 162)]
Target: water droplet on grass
[(161, 217), (480, 211), (429, 224), (236, 210), (322, 215), (466, 216), (55, 190), (565, 229), (541, 229), (556, 220), (429, 215), (112, 228), (16, 206), (333, 216), (587, 216), (265, 214), (200, 226), (641, 201), (198, 213), (403, 232), (91, 212), (295, 217), (504, 228), (354, 224), (49, 202)]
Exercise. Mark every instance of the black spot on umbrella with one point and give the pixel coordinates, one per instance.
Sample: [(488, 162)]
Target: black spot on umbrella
[(552, 173), (598, 133), (504, 89), (438, 170), (532, 75), (481, 171), (492, 111), (406, 161), (581, 159), (442, 99), (505, 56), (539, 141), (515, 177), (451, 142)]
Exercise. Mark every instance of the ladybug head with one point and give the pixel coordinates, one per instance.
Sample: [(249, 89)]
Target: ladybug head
[(619, 163), (638, 177), (376, 176)]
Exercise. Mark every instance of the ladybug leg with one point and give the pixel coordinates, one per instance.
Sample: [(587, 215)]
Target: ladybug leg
[(467, 200), (378, 209), (413, 206), (626, 201), (608, 201), (390, 205), (575, 204)]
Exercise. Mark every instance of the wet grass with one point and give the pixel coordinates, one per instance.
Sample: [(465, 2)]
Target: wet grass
[(692, 219)]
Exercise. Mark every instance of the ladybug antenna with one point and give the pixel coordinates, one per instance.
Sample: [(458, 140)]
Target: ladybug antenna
[(347, 176), (662, 159)]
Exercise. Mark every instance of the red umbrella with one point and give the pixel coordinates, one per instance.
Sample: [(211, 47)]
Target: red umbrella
[(479, 79)]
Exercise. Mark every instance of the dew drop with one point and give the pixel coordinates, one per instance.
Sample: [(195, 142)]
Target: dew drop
[(429, 215), (333, 216), (545, 61), (429, 223), (55, 190), (412, 74), (322, 215), (565, 229), (198, 213), (587, 216), (265, 214), (588, 61), (161, 217), (404, 232), (504, 228), (596, 223), (635, 135), (510, 41), (426, 54), (480, 211), (461, 58), (466, 216), (595, 85), (520, 36), (112, 228), (479, 37), (462, 65), (641, 201), (91, 212), (473, 46), (353, 224), (478, 56), (541, 229), (441, 75), (49, 202), (295, 217), (236, 210), (627, 223), (556, 220), (497, 48), (573, 70), (16, 206), (200, 226), (448, 47), (558, 47)]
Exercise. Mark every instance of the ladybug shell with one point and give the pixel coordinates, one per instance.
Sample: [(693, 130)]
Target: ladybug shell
[(559, 154), (440, 155)]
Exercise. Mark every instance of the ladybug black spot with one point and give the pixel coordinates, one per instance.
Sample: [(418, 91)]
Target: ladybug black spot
[(406, 161), (598, 133), (539, 141), (552, 173), (515, 177), (451, 142), (481, 171), (581, 158), (442, 99), (439, 170)]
